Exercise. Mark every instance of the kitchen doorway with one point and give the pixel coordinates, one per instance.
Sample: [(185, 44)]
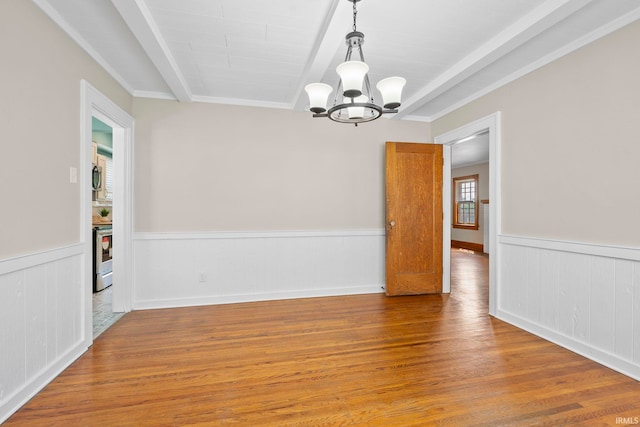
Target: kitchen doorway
[(102, 225), (95, 105)]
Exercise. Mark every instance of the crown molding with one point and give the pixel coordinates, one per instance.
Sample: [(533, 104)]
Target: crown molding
[(241, 102), (75, 36), (547, 59)]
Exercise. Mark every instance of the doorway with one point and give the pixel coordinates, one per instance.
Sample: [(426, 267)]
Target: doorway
[(491, 125), (102, 224), (95, 105)]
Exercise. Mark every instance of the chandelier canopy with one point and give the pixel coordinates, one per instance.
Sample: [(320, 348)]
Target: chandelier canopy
[(354, 102)]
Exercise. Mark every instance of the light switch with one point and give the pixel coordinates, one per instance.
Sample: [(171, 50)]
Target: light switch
[(73, 175)]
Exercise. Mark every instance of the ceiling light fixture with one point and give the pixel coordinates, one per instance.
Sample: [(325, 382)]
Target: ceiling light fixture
[(354, 103)]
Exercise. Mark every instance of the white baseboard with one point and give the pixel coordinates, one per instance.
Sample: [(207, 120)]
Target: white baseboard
[(584, 297), (604, 358), (16, 400), (239, 298), (187, 269)]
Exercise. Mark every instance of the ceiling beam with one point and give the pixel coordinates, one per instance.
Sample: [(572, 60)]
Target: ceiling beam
[(76, 35), (138, 18), (540, 19), (330, 37)]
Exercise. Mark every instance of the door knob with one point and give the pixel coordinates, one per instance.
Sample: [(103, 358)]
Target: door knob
[(392, 223)]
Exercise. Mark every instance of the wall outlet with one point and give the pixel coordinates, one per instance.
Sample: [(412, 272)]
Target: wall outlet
[(203, 277), (73, 175)]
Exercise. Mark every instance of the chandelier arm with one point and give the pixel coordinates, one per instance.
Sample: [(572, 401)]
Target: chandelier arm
[(361, 53), (367, 86), (338, 92), (367, 83), (347, 57)]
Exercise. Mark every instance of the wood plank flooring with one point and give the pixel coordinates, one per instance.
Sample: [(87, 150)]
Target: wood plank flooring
[(358, 360)]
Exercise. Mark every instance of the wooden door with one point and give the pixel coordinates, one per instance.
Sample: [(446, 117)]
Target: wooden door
[(414, 218)]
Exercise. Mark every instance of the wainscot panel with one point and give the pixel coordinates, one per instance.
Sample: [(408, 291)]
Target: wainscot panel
[(583, 297), (178, 269), (41, 322)]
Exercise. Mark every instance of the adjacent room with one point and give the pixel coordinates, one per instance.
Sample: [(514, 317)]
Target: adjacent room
[(219, 212)]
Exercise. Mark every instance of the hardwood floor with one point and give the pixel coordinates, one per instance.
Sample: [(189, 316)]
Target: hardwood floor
[(356, 360)]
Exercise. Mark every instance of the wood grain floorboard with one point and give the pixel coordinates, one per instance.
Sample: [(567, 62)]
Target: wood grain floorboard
[(364, 360)]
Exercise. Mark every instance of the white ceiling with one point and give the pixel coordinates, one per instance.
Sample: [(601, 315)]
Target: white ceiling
[(471, 151), (263, 53)]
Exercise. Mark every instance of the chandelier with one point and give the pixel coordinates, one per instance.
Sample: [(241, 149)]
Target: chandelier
[(354, 102)]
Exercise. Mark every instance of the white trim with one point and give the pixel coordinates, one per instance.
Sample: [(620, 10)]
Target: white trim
[(255, 234), (493, 124), (253, 297), (94, 103), (578, 295), (415, 118), (604, 358), (608, 251), (241, 102), (154, 95), (464, 165), (138, 17), (23, 262), (547, 59), (184, 269), (84, 45), (535, 22), (15, 401), (446, 218)]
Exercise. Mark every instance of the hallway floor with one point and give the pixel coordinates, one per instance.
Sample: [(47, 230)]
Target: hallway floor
[(103, 315)]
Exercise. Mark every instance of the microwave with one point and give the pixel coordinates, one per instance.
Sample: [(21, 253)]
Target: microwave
[(96, 177)]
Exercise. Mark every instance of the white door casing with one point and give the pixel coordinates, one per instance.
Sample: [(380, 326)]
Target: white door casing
[(94, 104), (448, 139)]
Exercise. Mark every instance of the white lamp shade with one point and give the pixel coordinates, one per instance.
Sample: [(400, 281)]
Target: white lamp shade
[(318, 94), (356, 112), (352, 75), (391, 91)]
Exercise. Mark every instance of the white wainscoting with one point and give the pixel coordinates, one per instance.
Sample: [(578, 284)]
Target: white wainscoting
[(583, 297), (41, 322), (186, 269)]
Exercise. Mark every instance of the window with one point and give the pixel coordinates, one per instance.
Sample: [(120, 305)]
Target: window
[(465, 202), (109, 179)]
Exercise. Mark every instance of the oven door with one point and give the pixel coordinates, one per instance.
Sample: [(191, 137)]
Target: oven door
[(104, 251)]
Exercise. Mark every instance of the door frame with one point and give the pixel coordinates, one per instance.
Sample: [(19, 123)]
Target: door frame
[(94, 104), (492, 123)]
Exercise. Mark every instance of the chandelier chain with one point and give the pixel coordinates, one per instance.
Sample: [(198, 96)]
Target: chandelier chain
[(355, 12)]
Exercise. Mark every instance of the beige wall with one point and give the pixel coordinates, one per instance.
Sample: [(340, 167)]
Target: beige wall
[(206, 167), (571, 144), (40, 110), (473, 236), (570, 150)]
